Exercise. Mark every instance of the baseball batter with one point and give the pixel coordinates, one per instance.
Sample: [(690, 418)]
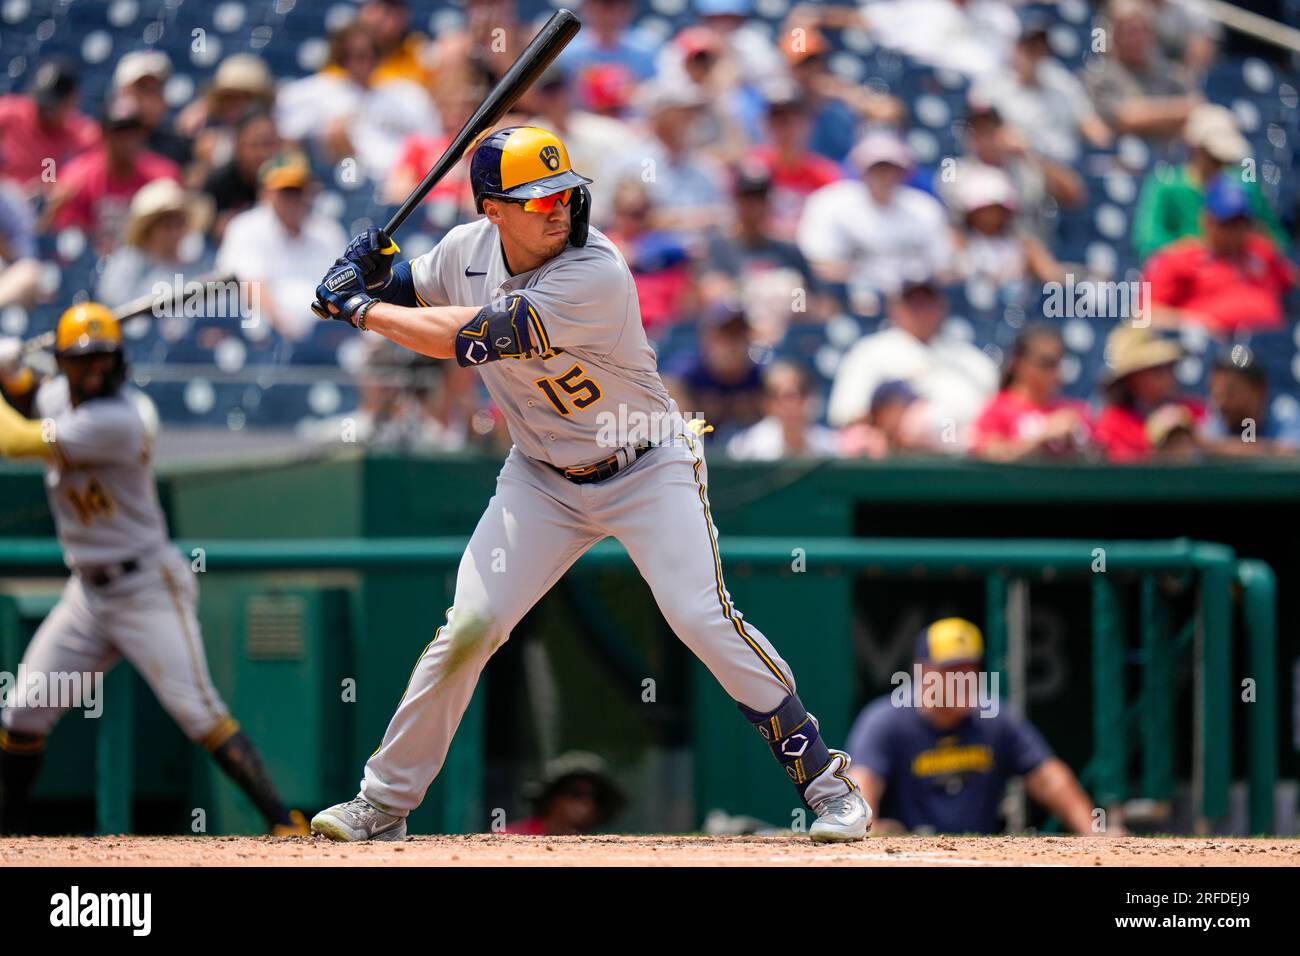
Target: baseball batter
[(546, 308), (131, 594)]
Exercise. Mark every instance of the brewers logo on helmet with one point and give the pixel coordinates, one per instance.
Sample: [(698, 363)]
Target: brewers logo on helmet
[(88, 329), (521, 163)]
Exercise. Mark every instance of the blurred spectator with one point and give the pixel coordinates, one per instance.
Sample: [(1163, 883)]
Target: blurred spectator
[(233, 186), (875, 229), (834, 105), (1231, 280), (607, 90), (660, 264), (944, 767), (1133, 87), (608, 37), (20, 271), (344, 114), (899, 422), (576, 795), (787, 429), (281, 247), (953, 376), (480, 53), (1029, 418), (748, 46), (402, 51), (242, 83), (989, 244), (1139, 381), (1239, 423), (598, 145), (1173, 198), (159, 219), (40, 132), (747, 262), (719, 382), (1186, 33), (687, 189), (94, 189), (451, 200), (991, 144), (973, 37), (728, 115), (1042, 100), (796, 172), (142, 75)]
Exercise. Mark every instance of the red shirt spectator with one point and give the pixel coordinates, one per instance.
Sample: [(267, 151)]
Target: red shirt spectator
[(1029, 417), (31, 137), (1139, 381), (98, 196), (795, 170), (1231, 279), (1121, 430)]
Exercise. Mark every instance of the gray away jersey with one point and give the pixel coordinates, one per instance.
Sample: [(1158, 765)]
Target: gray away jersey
[(100, 478), (591, 383)]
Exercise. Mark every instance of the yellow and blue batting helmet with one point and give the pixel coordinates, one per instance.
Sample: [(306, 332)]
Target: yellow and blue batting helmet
[(87, 329), (952, 640), (521, 162)]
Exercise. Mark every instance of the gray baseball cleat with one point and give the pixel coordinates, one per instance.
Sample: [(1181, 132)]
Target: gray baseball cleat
[(358, 820), (841, 819)]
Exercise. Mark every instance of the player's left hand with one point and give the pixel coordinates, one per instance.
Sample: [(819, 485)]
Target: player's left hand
[(343, 293)]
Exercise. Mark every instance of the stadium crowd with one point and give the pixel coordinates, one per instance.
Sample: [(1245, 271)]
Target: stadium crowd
[(754, 191)]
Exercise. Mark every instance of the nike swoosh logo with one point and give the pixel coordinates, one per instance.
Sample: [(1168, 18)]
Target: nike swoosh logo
[(469, 273)]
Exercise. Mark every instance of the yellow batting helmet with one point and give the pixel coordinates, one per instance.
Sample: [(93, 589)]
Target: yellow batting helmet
[(521, 162), (88, 329)]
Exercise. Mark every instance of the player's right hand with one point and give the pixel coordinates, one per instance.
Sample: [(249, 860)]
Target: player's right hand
[(11, 350), (373, 251)]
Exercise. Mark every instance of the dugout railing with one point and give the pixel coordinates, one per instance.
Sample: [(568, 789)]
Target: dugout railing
[(1146, 723)]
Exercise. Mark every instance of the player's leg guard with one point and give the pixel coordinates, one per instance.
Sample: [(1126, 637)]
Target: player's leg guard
[(239, 759), (20, 762), (797, 744)]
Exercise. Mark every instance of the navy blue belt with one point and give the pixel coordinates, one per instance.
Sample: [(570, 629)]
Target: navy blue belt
[(601, 470)]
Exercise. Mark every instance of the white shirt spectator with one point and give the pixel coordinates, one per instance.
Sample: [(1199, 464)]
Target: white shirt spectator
[(765, 441), (842, 223), (973, 38), (1046, 114), (380, 118), (950, 374), (258, 248)]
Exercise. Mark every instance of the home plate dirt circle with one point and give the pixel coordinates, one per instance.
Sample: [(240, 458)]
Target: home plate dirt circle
[(502, 850)]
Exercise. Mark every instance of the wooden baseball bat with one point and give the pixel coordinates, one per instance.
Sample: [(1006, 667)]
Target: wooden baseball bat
[(144, 305), (562, 27)]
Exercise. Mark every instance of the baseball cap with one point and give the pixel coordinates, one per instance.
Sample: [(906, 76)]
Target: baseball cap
[(878, 147), (752, 178), (53, 82), (695, 40), (781, 94), (803, 43), (722, 314), (289, 170), (138, 64), (985, 186), (952, 640), (1242, 360), (663, 95), (243, 73), (1225, 198), (892, 391), (1213, 128), (606, 86), (122, 112)]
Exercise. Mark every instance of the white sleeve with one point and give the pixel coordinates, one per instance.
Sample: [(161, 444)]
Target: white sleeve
[(855, 382), (819, 236), (426, 276)]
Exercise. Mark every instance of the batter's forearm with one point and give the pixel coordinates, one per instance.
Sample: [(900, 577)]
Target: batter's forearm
[(430, 330)]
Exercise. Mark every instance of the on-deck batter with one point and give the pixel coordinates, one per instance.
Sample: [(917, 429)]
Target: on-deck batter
[(547, 309), (131, 594)]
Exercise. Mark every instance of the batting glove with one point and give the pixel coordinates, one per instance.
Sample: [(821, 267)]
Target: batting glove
[(342, 293), (373, 251)]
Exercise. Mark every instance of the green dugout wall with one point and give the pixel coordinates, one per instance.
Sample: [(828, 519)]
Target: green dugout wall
[(840, 631)]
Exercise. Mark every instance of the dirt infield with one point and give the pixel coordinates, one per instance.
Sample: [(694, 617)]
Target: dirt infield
[(499, 850)]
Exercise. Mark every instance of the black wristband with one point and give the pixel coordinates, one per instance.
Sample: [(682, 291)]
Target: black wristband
[(359, 320)]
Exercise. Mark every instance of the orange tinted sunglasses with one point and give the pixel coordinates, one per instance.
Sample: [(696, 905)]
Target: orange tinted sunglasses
[(547, 203)]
